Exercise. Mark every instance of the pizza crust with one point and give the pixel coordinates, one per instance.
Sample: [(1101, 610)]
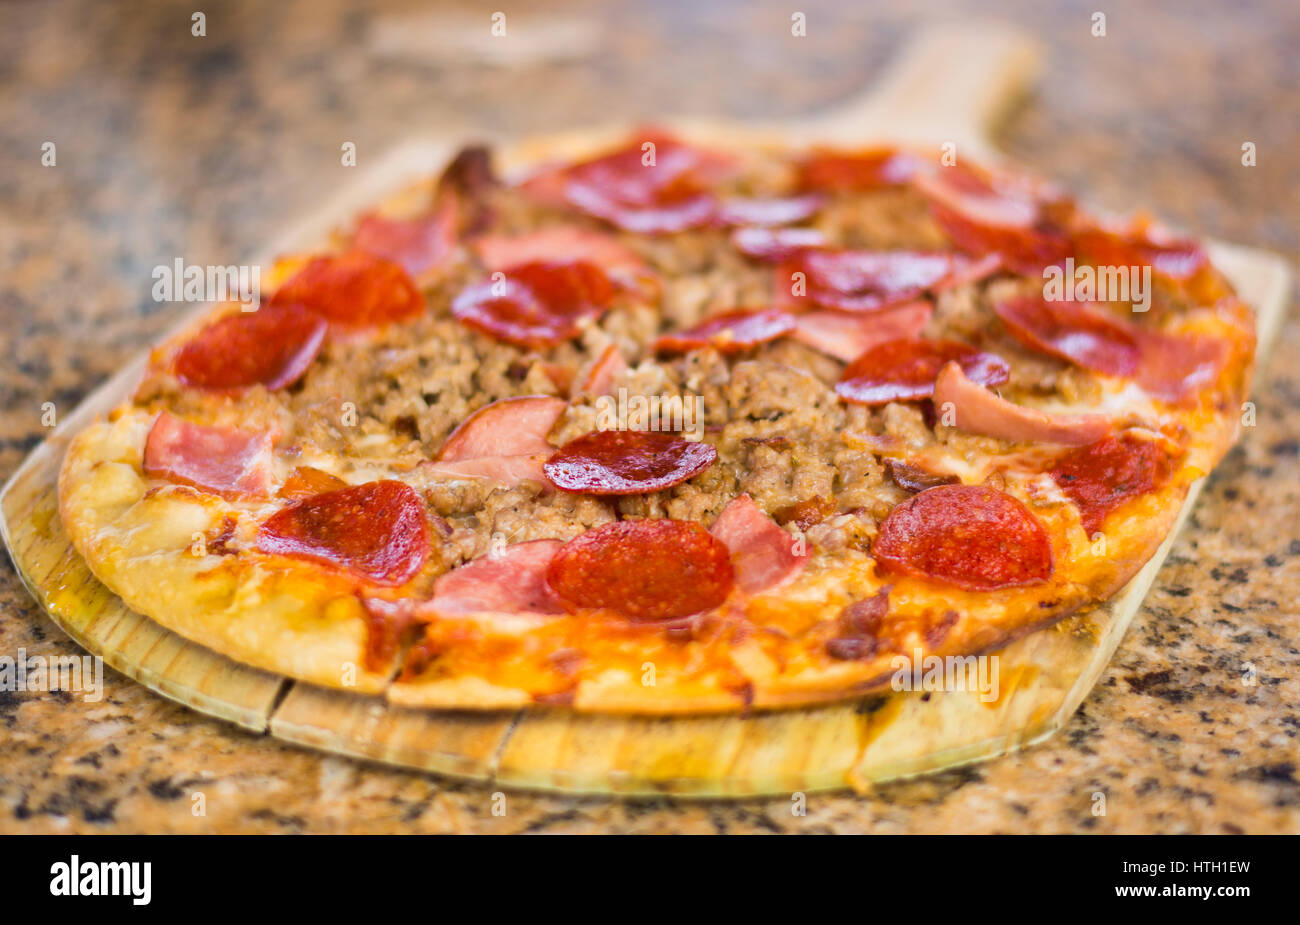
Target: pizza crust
[(140, 542)]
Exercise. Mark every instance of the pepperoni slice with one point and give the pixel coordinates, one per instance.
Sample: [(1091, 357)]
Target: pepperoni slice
[(776, 244), (971, 536), (905, 370), (636, 194), (1101, 477), (630, 178), (667, 217), (984, 215), (510, 312), (1178, 259), (1024, 250), (355, 289), (537, 304), (856, 171), (1071, 332), (272, 346), (574, 287), (770, 210), (865, 281), (376, 531), (643, 569), (730, 332), (627, 462)]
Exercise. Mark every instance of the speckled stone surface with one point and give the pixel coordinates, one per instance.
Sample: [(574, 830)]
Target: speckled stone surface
[(170, 145)]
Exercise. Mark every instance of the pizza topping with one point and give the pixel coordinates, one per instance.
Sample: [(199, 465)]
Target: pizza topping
[(375, 531), (558, 244), (971, 536), (464, 186), (306, 481), (761, 552), (983, 216), (1169, 366), (387, 622), (654, 186), (968, 270), (1101, 476), (847, 336), (861, 281), (511, 581), (417, 244), (804, 514), (874, 168), (356, 289), (228, 462), (860, 623), (730, 332), (627, 462), (663, 218), (508, 427), (1072, 332), (536, 304), (508, 470), (272, 346), (1175, 366), (509, 311), (773, 210), (1177, 259), (599, 377), (776, 244), (905, 370), (976, 410), (643, 570), (915, 478)]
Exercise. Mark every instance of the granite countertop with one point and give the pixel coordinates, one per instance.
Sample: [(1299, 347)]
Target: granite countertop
[(174, 145)]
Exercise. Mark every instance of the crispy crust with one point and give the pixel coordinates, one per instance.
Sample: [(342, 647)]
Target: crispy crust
[(141, 543), (769, 652)]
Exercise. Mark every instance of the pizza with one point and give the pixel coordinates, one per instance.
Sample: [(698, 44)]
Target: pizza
[(670, 426)]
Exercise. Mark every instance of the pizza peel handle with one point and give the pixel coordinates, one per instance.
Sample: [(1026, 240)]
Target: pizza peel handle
[(948, 84)]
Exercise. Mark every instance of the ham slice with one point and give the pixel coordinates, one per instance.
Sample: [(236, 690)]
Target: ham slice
[(1006, 215), (418, 244), (604, 371), (979, 411), (508, 470), (563, 243), (228, 462), (761, 552), (977, 200), (847, 336), (513, 581), (508, 427)]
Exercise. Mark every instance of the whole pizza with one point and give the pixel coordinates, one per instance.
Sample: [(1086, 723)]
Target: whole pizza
[(671, 427)]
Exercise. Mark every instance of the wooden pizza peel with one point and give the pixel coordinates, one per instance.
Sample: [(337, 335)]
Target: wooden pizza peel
[(948, 87)]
